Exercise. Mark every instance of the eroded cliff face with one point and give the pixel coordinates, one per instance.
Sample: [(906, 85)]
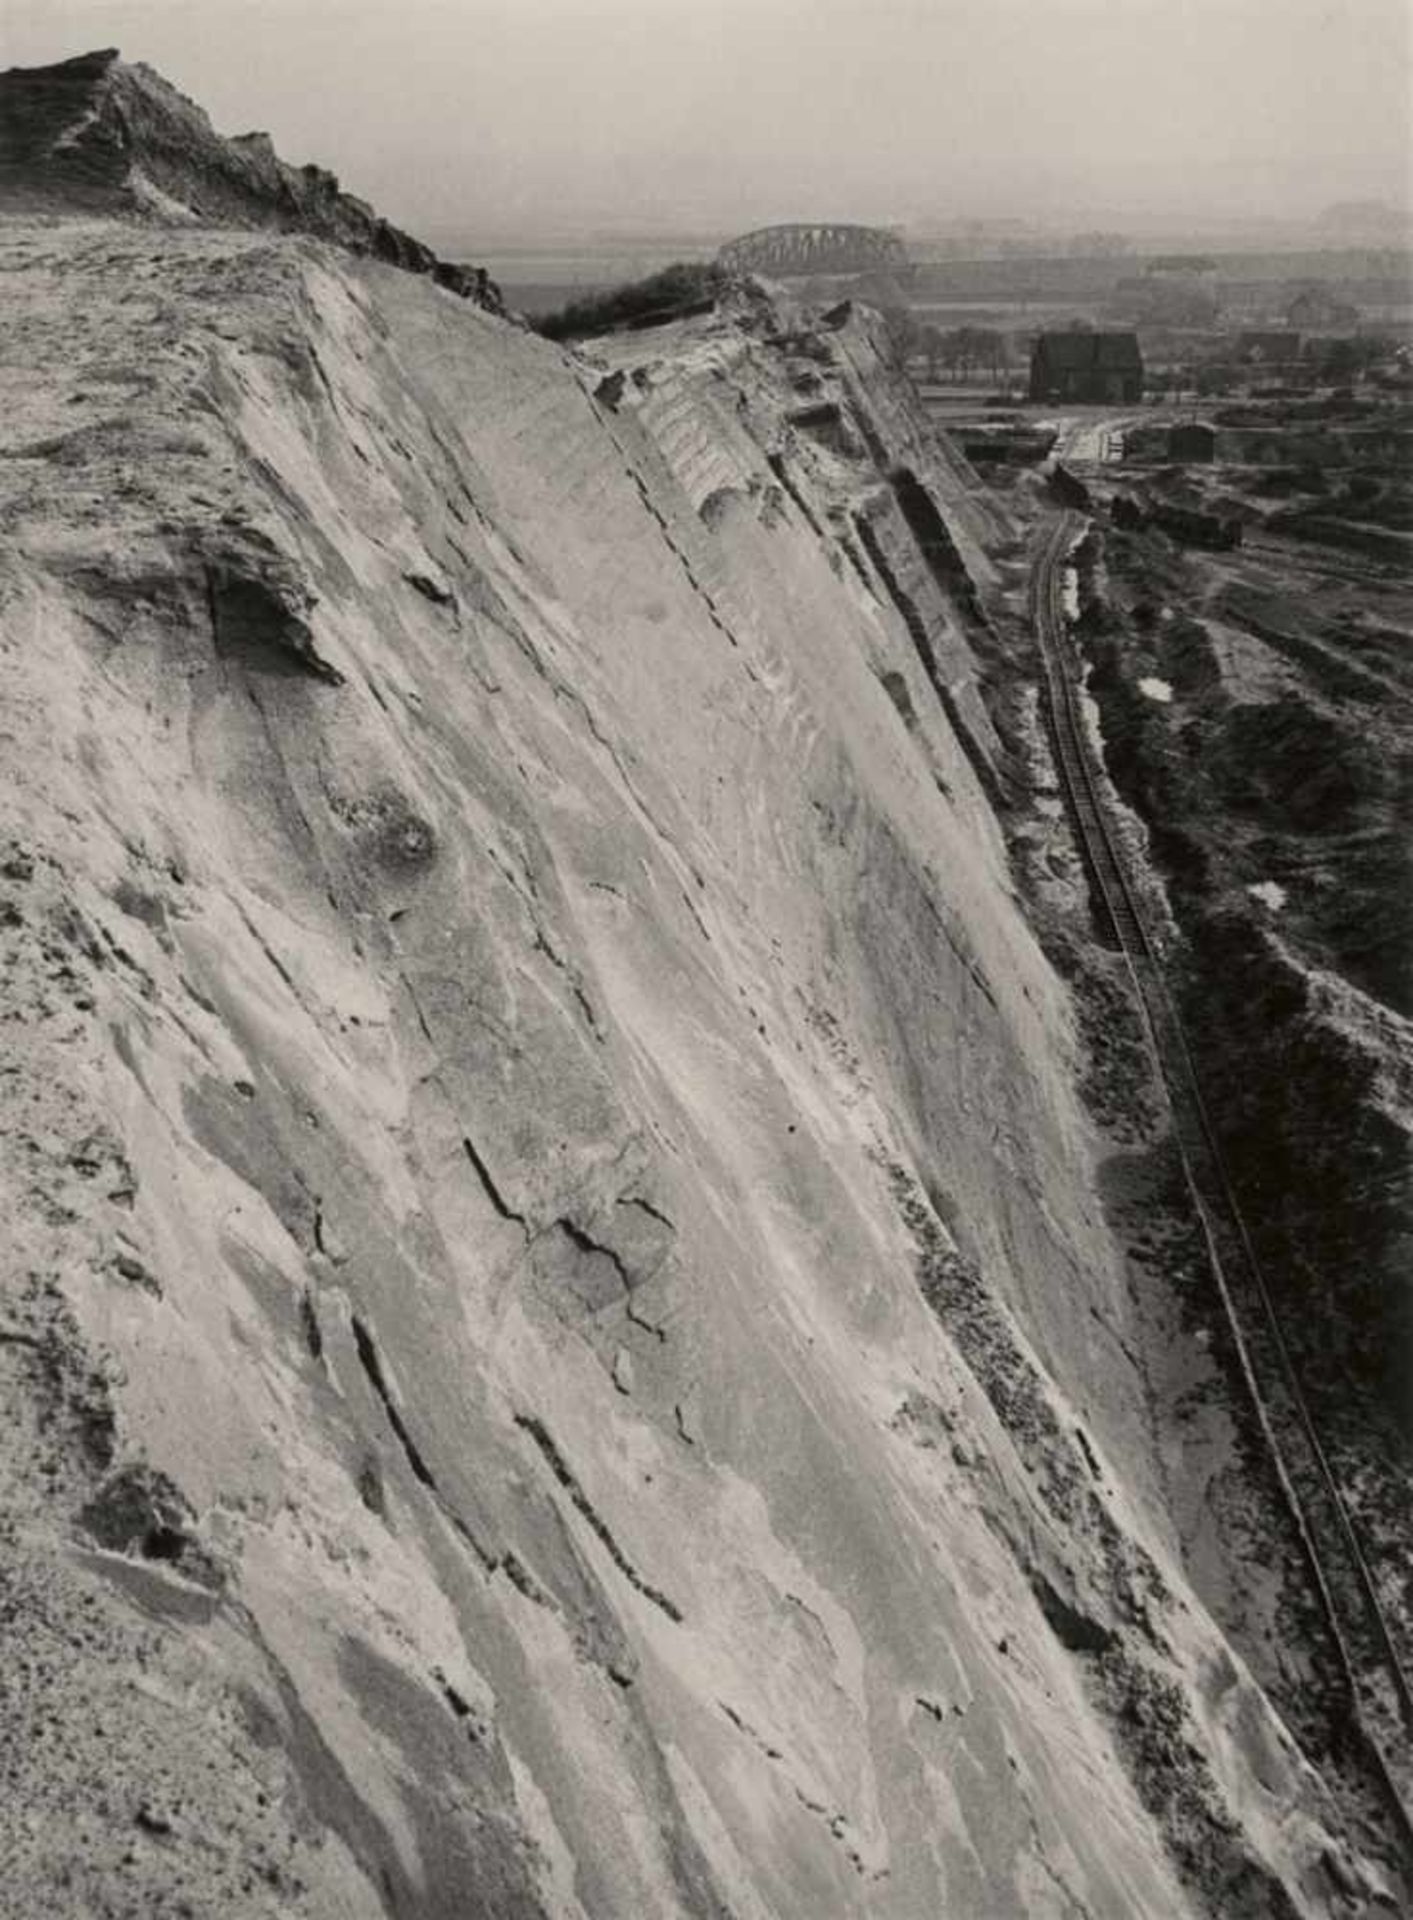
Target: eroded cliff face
[(559, 1341)]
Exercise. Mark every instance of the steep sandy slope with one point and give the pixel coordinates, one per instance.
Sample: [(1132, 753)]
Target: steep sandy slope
[(559, 1344)]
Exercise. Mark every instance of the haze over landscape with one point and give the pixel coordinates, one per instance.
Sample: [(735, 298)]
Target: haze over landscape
[(492, 120)]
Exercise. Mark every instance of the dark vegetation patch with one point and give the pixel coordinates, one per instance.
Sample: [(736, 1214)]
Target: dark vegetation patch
[(958, 1294), (1156, 1737), (1148, 1710), (1153, 750), (395, 835), (1308, 1087), (1290, 766), (1308, 791), (1116, 1078), (73, 1397), (1320, 1167), (684, 288)]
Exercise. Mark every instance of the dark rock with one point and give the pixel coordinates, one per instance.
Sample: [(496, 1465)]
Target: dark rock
[(430, 589), (128, 1268), (258, 607), (141, 1512), (370, 1488), (1072, 1626)]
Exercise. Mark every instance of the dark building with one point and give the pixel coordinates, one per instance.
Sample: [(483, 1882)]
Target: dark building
[(1192, 440), (1085, 366)]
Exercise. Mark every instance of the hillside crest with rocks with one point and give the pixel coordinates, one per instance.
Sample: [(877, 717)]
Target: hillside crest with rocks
[(97, 134)]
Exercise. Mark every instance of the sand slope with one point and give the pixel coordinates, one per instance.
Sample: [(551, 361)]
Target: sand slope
[(561, 1344)]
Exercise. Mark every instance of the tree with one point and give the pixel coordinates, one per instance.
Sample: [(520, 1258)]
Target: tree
[(972, 347), (903, 334), (992, 350), (1344, 360), (683, 285)]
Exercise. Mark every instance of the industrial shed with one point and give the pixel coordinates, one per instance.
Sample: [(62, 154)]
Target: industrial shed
[(1086, 366)]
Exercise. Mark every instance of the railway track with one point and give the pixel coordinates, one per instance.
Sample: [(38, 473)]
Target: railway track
[(1379, 1695)]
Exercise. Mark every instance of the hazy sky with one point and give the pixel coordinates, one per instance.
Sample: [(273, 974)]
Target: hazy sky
[(502, 116)]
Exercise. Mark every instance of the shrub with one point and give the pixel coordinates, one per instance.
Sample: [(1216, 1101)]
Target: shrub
[(685, 286)]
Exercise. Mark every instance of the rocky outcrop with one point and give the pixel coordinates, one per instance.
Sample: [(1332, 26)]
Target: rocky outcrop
[(99, 135)]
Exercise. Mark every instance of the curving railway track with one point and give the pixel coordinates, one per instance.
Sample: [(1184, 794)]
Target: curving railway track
[(1375, 1676)]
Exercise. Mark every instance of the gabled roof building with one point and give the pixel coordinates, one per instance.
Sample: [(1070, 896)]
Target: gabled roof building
[(1086, 366)]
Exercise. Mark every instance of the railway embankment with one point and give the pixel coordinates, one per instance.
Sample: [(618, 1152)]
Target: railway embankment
[(1243, 726), (1363, 1630)]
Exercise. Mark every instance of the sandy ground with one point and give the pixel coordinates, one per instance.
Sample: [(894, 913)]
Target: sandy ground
[(562, 1339)]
